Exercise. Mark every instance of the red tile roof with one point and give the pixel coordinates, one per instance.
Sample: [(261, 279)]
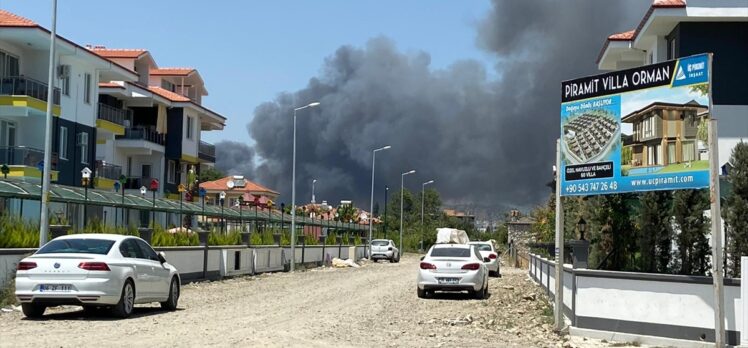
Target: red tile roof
[(624, 36), (220, 185), (110, 85), (8, 19), (172, 71), (668, 3), (655, 5), (171, 96), (119, 52)]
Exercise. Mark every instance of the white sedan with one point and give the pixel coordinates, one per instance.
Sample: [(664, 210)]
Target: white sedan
[(384, 249), (96, 270), (487, 250), (453, 267)]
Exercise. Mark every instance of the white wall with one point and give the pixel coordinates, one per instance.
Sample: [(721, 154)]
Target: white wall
[(189, 146), (732, 127)]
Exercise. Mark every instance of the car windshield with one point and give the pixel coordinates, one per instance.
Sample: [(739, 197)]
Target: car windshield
[(380, 243), (483, 247), (77, 246), (450, 252)]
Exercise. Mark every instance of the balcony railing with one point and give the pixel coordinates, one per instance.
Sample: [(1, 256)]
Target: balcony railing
[(27, 86), (23, 156), (206, 151), (139, 133), (108, 170), (119, 116)]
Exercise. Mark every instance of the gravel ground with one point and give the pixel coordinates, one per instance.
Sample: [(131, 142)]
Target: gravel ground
[(375, 305)]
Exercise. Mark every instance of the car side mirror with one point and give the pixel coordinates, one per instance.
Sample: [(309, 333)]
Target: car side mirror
[(161, 257), (423, 257), (485, 259)]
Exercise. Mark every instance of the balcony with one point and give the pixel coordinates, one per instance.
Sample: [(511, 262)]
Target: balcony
[(206, 152), (114, 115), (23, 156), (147, 134), (20, 86), (107, 170)]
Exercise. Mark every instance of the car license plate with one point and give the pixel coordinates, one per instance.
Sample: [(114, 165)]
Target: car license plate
[(448, 280), (56, 287)]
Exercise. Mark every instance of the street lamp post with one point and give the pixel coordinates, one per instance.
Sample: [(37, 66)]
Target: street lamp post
[(240, 200), (46, 171), (181, 188), (117, 186), (143, 191), (154, 188), (423, 197), (402, 188), (293, 187), (371, 201), (313, 182), (222, 196), (85, 177), (122, 182), (202, 192)]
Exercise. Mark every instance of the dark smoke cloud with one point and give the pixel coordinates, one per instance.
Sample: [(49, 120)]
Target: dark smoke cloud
[(489, 144), (235, 158)]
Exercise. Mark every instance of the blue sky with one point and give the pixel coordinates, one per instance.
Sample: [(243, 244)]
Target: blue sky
[(249, 51)]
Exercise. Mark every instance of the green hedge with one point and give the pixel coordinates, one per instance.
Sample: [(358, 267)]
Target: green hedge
[(18, 233)]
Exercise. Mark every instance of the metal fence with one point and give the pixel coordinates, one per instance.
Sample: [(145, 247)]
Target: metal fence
[(20, 85)]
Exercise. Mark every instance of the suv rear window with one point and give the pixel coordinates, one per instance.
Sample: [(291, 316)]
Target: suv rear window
[(380, 243), (450, 252), (483, 247), (77, 246)]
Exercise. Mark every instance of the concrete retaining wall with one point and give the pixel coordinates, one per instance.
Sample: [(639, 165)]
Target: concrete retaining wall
[(642, 304), (222, 260)]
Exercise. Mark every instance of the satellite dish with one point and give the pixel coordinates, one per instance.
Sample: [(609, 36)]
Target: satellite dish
[(230, 184)]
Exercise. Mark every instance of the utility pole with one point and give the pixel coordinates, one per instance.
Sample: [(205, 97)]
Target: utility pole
[(46, 170), (558, 309)]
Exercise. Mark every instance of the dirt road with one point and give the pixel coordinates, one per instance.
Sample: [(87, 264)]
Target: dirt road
[(375, 305)]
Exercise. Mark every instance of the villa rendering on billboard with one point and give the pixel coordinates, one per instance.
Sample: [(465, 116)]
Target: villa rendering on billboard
[(640, 129)]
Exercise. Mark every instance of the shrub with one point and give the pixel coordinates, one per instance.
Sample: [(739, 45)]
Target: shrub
[(16, 232), (218, 238), (163, 238)]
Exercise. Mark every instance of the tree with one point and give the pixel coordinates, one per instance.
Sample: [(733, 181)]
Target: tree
[(612, 234), (656, 234), (736, 208), (210, 174), (693, 244)]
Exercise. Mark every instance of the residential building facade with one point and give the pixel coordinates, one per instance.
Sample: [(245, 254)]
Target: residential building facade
[(24, 64), (677, 28)]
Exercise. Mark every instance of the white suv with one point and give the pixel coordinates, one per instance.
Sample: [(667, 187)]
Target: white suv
[(384, 249)]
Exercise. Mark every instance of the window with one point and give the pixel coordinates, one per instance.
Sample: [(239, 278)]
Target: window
[(63, 143), (147, 251), (689, 151), (77, 246), (83, 144), (65, 83), (130, 249), (167, 85), (172, 174), (87, 88), (189, 128), (7, 133), (671, 49), (451, 252)]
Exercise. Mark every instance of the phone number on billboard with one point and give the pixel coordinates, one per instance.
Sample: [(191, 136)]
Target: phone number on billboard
[(591, 187)]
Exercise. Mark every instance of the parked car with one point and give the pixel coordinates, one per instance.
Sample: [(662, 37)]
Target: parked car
[(96, 270), (488, 250), (384, 249), (453, 267)]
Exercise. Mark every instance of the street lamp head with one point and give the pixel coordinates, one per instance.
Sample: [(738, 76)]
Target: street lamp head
[(383, 148), (428, 182), (410, 172), (313, 104), (222, 195), (314, 181)]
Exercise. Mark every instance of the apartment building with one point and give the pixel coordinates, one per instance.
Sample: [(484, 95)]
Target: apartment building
[(677, 28), (155, 127), (665, 133), (24, 64)]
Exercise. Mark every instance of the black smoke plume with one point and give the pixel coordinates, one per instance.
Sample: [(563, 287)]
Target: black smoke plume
[(488, 143)]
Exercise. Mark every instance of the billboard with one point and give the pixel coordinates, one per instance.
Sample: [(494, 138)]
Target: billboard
[(639, 129)]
